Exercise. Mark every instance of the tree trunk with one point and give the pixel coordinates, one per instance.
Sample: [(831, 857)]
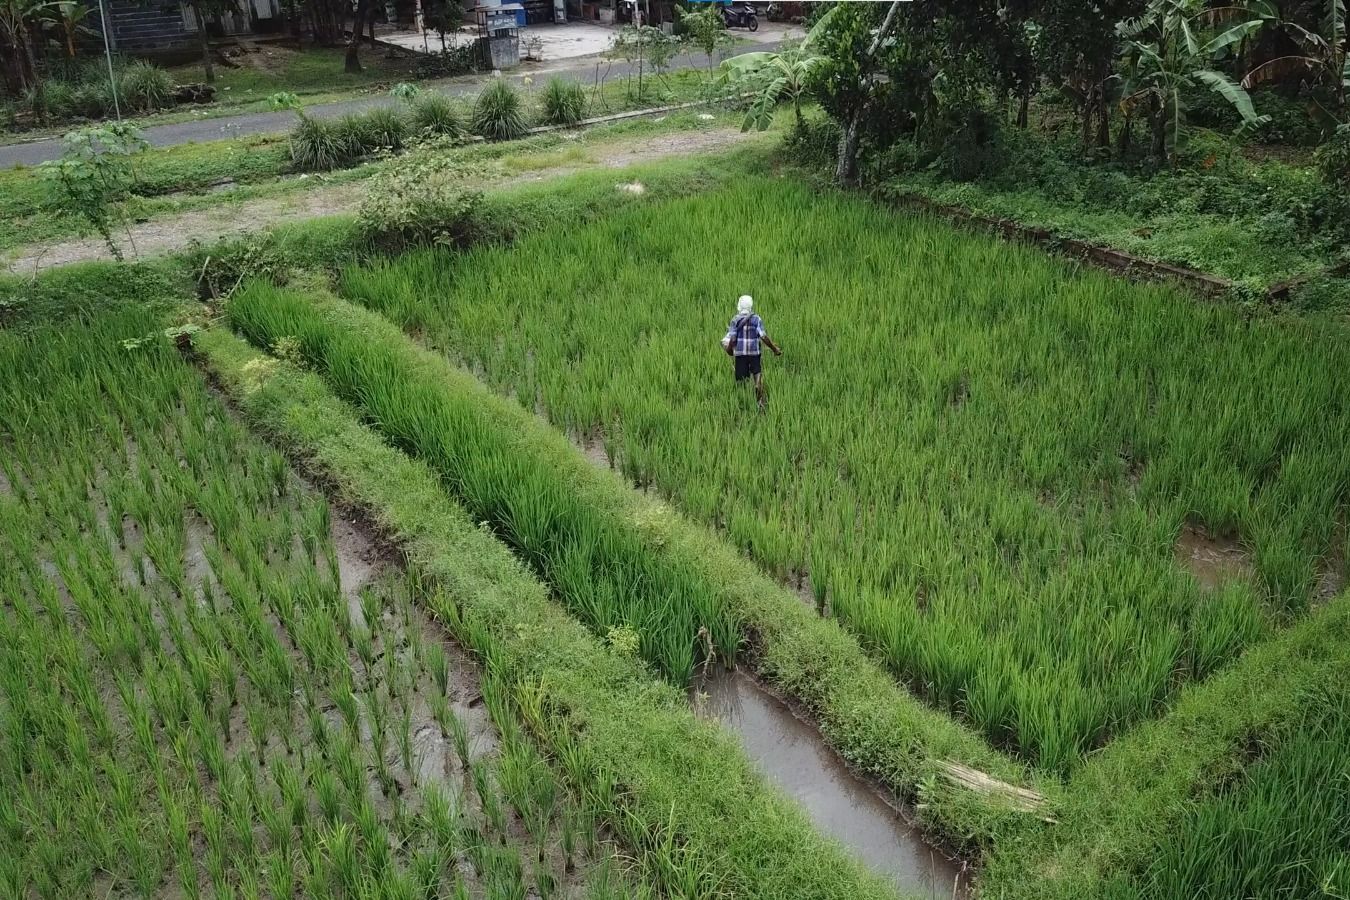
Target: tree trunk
[(353, 63), (205, 43), (1103, 118), (1024, 106), (846, 171)]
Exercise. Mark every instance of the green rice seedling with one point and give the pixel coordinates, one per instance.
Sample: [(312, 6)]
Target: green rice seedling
[(328, 794), (424, 868), (404, 737), (217, 848), (291, 789), (374, 839), (564, 102), (497, 112), (438, 667), (440, 819), (433, 113), (280, 869), (346, 763), (459, 737), (488, 799)]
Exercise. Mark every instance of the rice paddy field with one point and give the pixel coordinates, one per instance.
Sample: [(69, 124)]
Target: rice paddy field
[(213, 685), (1054, 562), (1045, 501)]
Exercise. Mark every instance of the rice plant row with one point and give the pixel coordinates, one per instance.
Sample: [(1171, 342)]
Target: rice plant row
[(978, 460), (196, 699)]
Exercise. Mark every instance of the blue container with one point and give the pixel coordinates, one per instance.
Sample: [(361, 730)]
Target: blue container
[(520, 18)]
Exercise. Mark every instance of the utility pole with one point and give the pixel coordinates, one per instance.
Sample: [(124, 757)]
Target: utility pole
[(107, 52)]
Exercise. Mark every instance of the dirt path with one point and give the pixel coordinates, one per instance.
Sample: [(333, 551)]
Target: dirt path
[(171, 233)]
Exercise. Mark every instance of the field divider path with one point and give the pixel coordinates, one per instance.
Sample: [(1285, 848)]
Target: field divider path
[(676, 790), (874, 723)]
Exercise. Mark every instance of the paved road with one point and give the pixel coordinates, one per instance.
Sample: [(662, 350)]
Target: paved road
[(580, 70)]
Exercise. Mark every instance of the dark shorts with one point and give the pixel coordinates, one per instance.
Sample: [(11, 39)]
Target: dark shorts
[(747, 366)]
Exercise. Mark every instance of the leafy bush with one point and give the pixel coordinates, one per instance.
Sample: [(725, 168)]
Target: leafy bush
[(92, 100), (435, 114), (1333, 160), (564, 102), (420, 202), (94, 172), (146, 87), (497, 113), (317, 145), (815, 143)]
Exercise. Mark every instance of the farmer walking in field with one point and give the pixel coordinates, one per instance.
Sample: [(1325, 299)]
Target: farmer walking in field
[(742, 341)]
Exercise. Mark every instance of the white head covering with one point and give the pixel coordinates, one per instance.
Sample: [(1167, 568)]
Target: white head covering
[(745, 305)]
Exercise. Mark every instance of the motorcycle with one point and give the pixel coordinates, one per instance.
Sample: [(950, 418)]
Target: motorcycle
[(740, 15)]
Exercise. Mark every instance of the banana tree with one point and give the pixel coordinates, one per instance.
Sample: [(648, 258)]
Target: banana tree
[(66, 17), (17, 59), (1170, 50), (1325, 57), (773, 78)]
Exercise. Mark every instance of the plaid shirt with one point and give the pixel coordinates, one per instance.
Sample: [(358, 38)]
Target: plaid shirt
[(746, 331)]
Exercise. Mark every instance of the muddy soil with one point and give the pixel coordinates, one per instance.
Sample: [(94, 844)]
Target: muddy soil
[(175, 232), (791, 753), (1213, 561)]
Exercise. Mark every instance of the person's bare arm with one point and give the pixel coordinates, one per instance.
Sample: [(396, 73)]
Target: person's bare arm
[(777, 351)]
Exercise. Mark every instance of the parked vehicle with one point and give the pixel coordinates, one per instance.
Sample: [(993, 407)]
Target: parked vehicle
[(740, 15)]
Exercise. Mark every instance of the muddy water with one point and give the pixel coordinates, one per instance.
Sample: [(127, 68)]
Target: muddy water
[(1212, 560), (791, 753)]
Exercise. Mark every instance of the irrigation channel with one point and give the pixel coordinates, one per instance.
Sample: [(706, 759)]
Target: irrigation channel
[(791, 753)]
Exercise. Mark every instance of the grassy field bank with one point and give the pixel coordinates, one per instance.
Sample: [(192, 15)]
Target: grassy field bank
[(1018, 448)]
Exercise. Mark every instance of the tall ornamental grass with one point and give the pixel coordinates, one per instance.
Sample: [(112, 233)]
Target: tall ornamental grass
[(975, 458)]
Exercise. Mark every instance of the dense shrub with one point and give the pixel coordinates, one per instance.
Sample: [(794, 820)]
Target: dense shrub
[(497, 113), (815, 143), (435, 114), (1333, 160), (316, 145), (146, 87), (564, 102), (420, 202)]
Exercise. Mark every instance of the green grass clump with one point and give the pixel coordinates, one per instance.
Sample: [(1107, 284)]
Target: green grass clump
[(434, 113), (564, 102), (318, 145), (982, 475), (498, 114), (146, 87)]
